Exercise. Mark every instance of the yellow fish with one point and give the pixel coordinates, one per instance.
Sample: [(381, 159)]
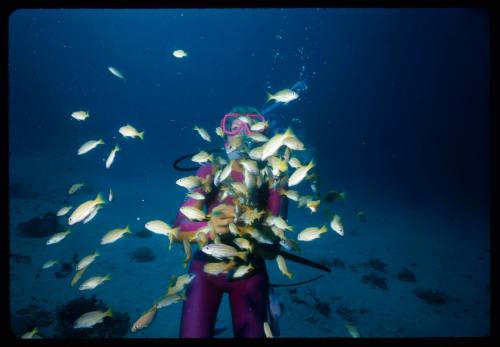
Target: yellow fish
[(111, 156), (63, 211), (218, 268), (75, 187), (179, 53), (300, 174), (283, 96), (282, 266), (80, 115), (57, 237), (145, 319), (115, 234), (78, 275), (86, 261), (30, 334), (267, 330), (85, 209), (89, 145), (193, 213), (129, 131), (311, 233), (352, 330), (274, 144), (89, 319), (203, 133), (93, 282)]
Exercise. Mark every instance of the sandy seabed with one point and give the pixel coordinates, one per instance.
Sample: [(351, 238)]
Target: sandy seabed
[(444, 253)]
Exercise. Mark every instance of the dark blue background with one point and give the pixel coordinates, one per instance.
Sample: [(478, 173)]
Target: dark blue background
[(398, 99)]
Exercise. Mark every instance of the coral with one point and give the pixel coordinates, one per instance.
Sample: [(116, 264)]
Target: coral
[(322, 307), (41, 226), (364, 310), (376, 264), (298, 301), (345, 312), (65, 270), (325, 262), (142, 255), (75, 259), (375, 281), (312, 320), (29, 317), (18, 190), (432, 297), (111, 327), (20, 259), (335, 262), (407, 275), (144, 233)]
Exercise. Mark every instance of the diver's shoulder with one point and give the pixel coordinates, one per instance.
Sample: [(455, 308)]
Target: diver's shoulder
[(205, 170)]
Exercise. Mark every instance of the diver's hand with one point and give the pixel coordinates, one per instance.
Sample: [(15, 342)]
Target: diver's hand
[(221, 217)]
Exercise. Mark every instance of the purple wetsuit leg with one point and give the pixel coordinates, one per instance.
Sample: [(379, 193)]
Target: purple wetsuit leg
[(248, 299), (199, 310)]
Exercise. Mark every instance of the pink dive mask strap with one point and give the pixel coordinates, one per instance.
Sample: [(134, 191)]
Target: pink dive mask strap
[(242, 125)]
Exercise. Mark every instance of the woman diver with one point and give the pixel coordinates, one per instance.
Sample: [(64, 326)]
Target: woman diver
[(248, 295)]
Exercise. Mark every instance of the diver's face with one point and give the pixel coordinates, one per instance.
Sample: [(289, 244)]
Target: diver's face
[(233, 142)]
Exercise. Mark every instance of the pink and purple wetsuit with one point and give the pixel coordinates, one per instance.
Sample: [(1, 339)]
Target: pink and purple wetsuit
[(247, 295)]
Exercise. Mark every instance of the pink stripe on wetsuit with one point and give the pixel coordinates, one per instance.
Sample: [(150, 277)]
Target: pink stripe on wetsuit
[(247, 295)]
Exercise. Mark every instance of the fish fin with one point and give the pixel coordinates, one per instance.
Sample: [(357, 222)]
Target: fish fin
[(288, 132), (108, 313), (107, 277), (99, 199), (141, 135), (311, 164), (269, 97)]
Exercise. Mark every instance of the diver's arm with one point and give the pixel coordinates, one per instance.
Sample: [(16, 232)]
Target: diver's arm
[(274, 201), (188, 227)]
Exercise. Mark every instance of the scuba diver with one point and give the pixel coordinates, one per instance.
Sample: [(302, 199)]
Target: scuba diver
[(247, 294), (251, 296)]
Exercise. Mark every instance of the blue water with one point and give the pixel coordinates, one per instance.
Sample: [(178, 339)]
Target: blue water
[(396, 113)]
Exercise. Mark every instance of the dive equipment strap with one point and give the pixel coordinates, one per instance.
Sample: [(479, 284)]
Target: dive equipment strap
[(303, 261)]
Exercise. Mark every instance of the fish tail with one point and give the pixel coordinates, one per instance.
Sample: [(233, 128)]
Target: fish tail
[(311, 164), (99, 200), (141, 135), (289, 275), (127, 229), (107, 277), (101, 141), (269, 97), (288, 132), (242, 255), (117, 148), (108, 313)]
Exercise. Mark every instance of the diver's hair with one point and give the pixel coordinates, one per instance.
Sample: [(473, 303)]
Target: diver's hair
[(244, 110)]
